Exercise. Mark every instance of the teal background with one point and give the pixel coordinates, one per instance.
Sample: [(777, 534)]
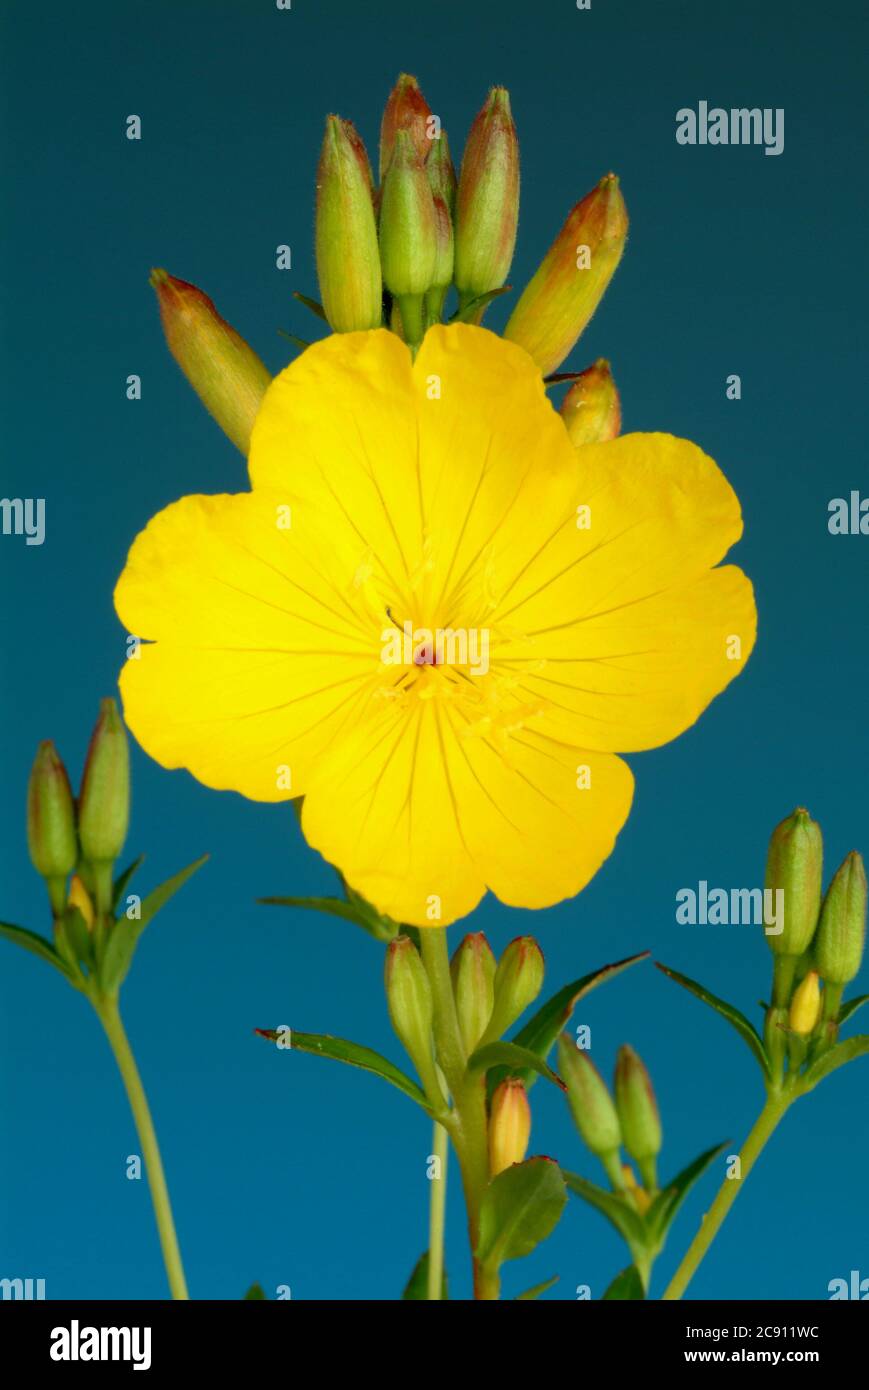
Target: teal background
[(283, 1168)]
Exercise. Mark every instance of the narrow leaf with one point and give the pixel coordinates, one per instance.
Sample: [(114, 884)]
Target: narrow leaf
[(311, 304), (536, 1290), (160, 896), (852, 1006), (300, 343), (837, 1056), (470, 311), (355, 1055), (417, 1285), (540, 1032), (661, 1213), (627, 1285), (513, 1059), (617, 1210), (520, 1208), (378, 927), (37, 945), (123, 879), (744, 1027)]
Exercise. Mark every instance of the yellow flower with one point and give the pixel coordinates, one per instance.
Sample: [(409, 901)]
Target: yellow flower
[(299, 634)]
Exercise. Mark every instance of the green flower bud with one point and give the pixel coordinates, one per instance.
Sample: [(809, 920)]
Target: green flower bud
[(224, 371), (591, 409), (411, 1009), (487, 201), (51, 835), (638, 1113), (104, 800), (794, 866), (407, 110), (518, 981), (443, 271), (509, 1125), (473, 974), (348, 260), (559, 300), (441, 174), (590, 1101), (805, 1009), (408, 233), (841, 932)]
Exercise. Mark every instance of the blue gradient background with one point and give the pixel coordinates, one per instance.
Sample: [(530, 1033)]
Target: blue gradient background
[(283, 1168)]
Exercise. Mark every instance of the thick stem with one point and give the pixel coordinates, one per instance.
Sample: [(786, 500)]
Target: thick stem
[(436, 1215), (110, 1018), (776, 1106)]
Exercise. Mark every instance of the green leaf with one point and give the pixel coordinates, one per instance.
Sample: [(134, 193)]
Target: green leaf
[(256, 1291), (627, 1285), (744, 1027), (512, 1058), (311, 304), (540, 1032), (520, 1208), (536, 1290), (836, 1057), (381, 928), (617, 1209), (482, 300), (661, 1213), (123, 879), (160, 896), (417, 1285), (354, 1054), (37, 945), (78, 936), (851, 1007)]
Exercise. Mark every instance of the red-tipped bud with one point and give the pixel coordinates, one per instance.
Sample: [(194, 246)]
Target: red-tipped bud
[(473, 975), (348, 260), (408, 234), (591, 409), (406, 109), (570, 283), (226, 374), (509, 1125), (51, 835), (518, 981), (104, 799), (487, 202), (441, 174)]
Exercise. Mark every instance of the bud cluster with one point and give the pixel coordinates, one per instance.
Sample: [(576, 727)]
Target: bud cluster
[(820, 948), (607, 1122)]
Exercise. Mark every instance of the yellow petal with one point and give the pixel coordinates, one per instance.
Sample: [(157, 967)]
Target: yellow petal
[(262, 651)]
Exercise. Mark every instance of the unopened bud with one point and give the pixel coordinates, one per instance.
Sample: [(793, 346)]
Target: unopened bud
[(226, 374), (590, 1101), (104, 800), (841, 932), (408, 234), (558, 302), (509, 1125), (80, 898), (440, 171), (805, 1006), (638, 1113), (443, 272), (591, 409), (473, 975), (518, 981), (348, 260), (408, 110), (411, 1010), (638, 1195), (51, 835), (794, 866), (487, 202)]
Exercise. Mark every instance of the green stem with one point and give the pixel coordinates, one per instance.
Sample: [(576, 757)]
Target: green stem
[(110, 1017), (436, 1216), (470, 1134), (776, 1106)]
